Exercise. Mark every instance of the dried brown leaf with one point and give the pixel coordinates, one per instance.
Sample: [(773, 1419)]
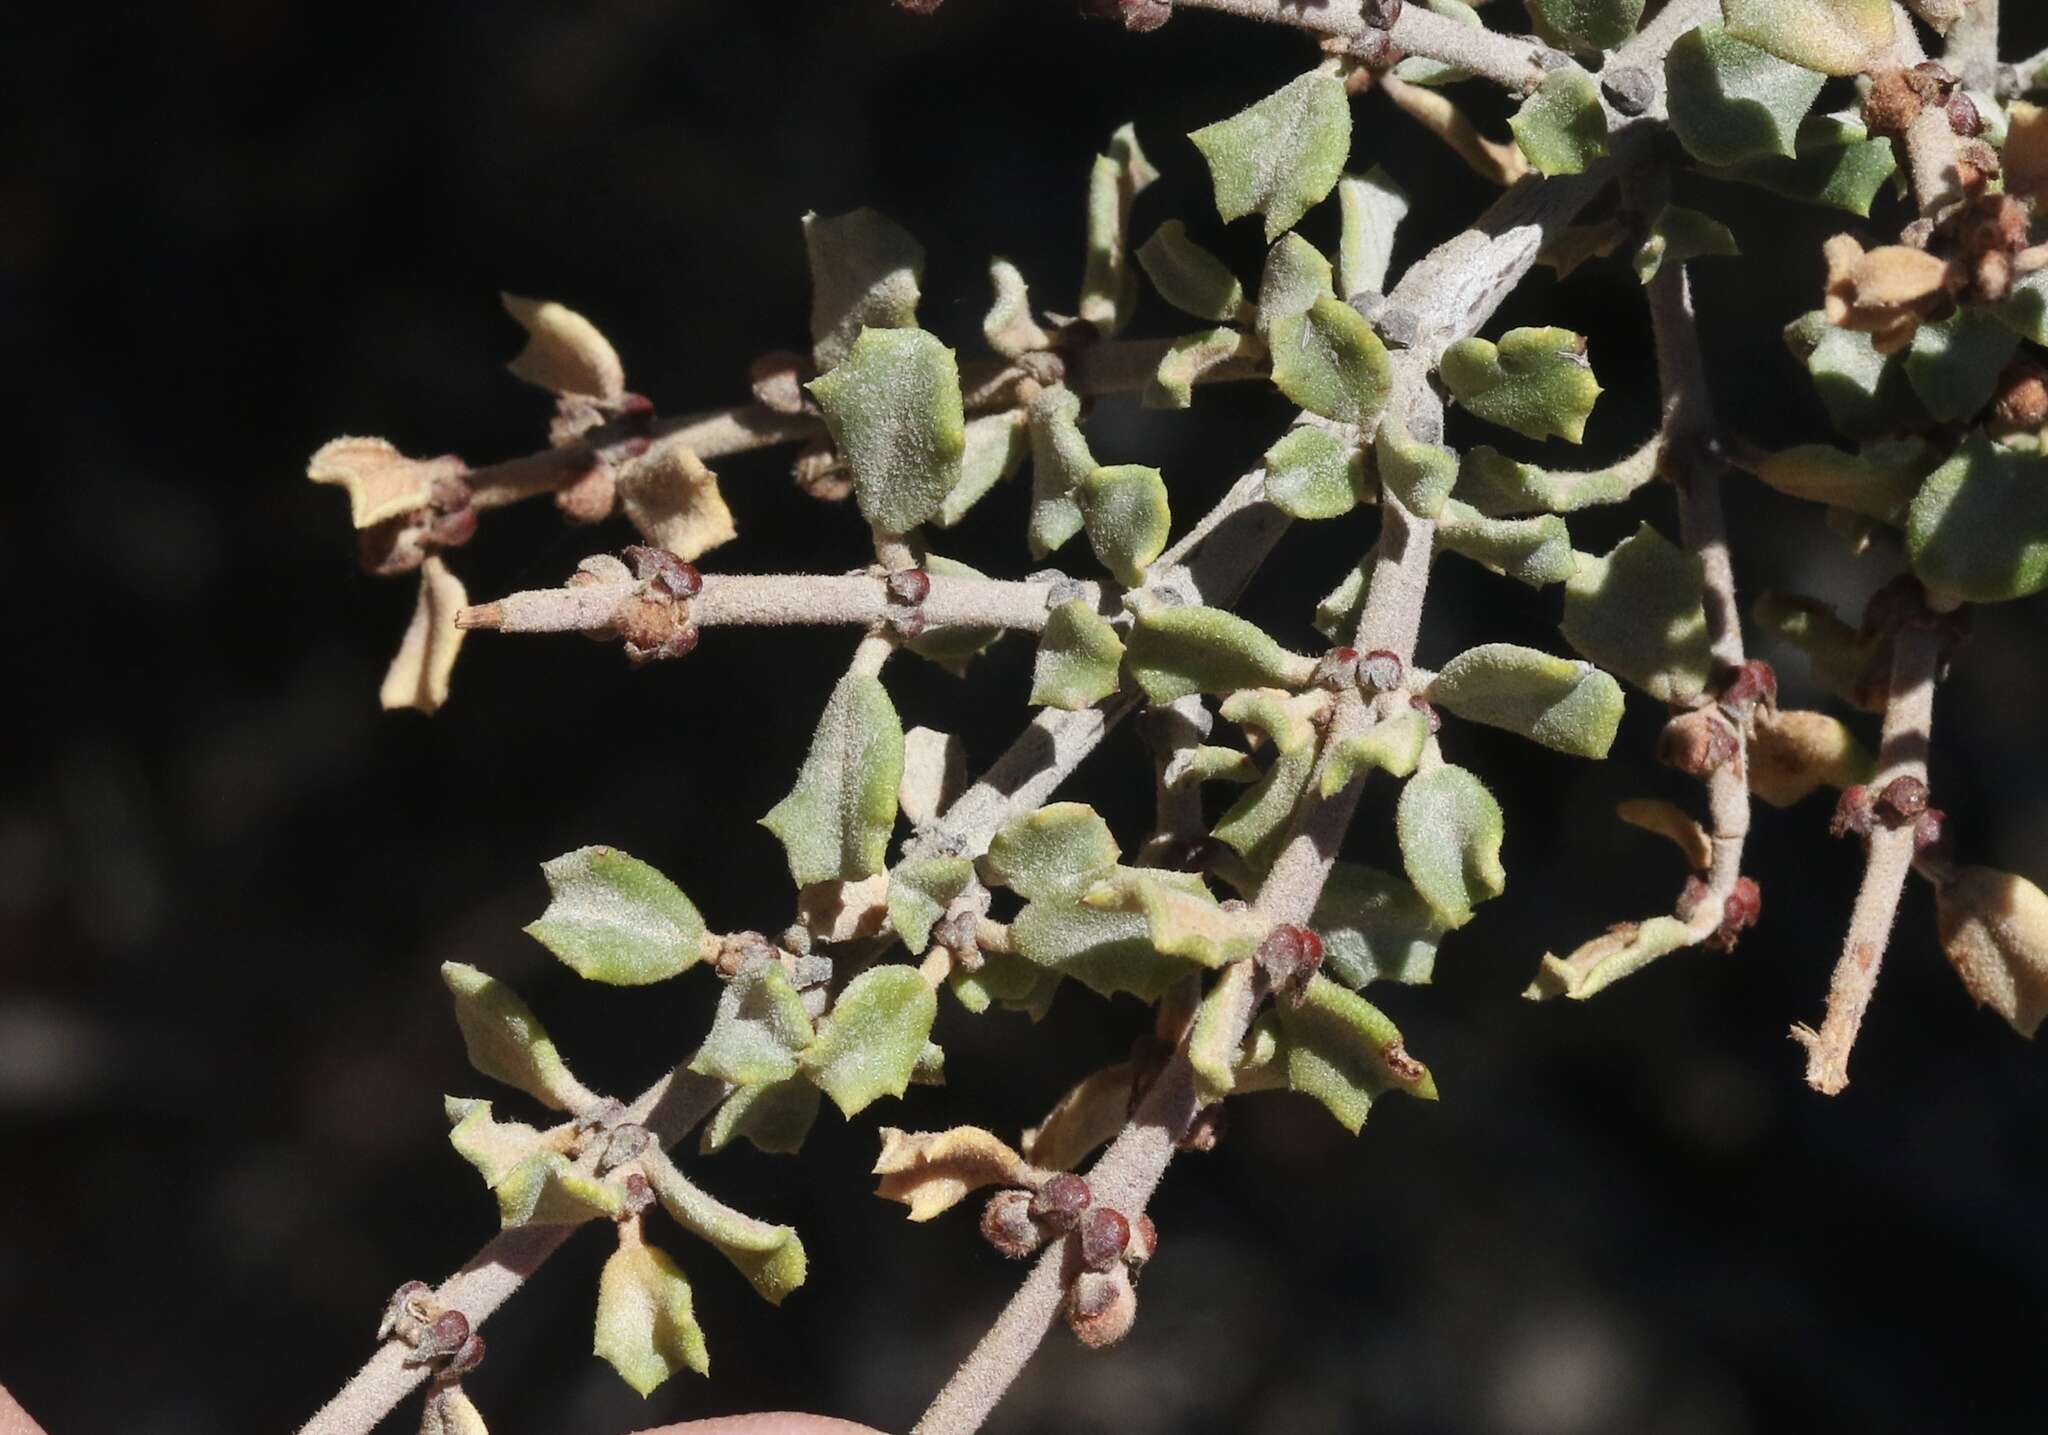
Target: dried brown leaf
[(933, 1171), (418, 676), (564, 351)]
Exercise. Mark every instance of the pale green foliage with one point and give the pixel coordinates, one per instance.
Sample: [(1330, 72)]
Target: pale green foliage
[(1497, 486), (1731, 101), (1078, 656), (646, 1326), (893, 406), (1421, 475), (1535, 381), (615, 919), (1878, 482), (1678, 235), (1638, 612), (775, 1117), (1562, 128), (1340, 1049), (771, 1257), (546, 1190), (1211, 1051), (1191, 356), (1176, 651), (759, 1029), (1373, 207), (1182, 918), (1296, 275), (1058, 851), (1599, 24), (506, 1040), (1835, 37), (871, 1041), (1331, 362), (993, 447), (1865, 392), (1978, 528), (1109, 290), (1536, 551), (835, 823), (1009, 326), (1607, 958), (1393, 745), (1313, 474), (1106, 951), (1954, 365), (1835, 162), (1375, 927), (1060, 461), (864, 275), (920, 892), (1125, 510), (1450, 828), (1572, 707), (1189, 277), (1281, 155)]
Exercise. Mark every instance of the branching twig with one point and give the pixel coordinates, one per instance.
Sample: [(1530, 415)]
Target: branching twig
[(1502, 58), (1972, 51)]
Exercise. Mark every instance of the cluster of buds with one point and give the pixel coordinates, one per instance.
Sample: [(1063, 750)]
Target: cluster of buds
[(431, 1333), (1902, 802), (1105, 1250), (646, 605), (404, 509), (1741, 909)]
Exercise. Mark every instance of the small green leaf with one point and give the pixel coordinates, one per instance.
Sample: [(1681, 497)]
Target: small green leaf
[(1836, 163), (1189, 277), (1570, 707), (1421, 475), (546, 1190), (1678, 236), (1211, 1051), (1979, 528), (1128, 519), (1393, 745), (1059, 851), (646, 1327), (615, 919), (870, 1042), (1536, 551), (1835, 37), (1060, 460), (1176, 651), (1614, 954), (1009, 979), (1283, 154), (1498, 486), (1343, 1051), (1639, 613), (775, 1117), (1535, 381), (1296, 275), (1288, 720), (993, 447), (1562, 128), (1450, 831), (1595, 24), (1107, 952), (1182, 918), (1375, 927), (758, 1030), (1193, 766), (1731, 101), (2025, 309), (1865, 392), (1256, 825), (1373, 206), (1078, 657), (920, 892), (1314, 474), (1338, 613), (1839, 653), (1109, 290), (1878, 482), (893, 407), (1954, 364), (835, 823), (506, 1041), (1188, 358), (1330, 362), (864, 275), (771, 1257), (1422, 70), (495, 1148), (1009, 328)]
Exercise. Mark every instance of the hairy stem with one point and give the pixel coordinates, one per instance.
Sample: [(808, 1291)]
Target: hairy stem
[(1501, 58), (1972, 51)]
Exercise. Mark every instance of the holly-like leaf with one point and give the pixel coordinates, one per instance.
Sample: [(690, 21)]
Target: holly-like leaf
[(1392, 745), (1879, 482), (920, 892), (1835, 162), (1373, 207), (646, 1326), (1128, 519), (759, 1030), (771, 1257), (506, 1041), (1059, 851), (1535, 381), (381, 482), (1536, 551), (1107, 952), (1421, 475), (835, 823), (1060, 461), (1190, 278), (564, 353), (933, 1171), (1562, 127), (1571, 707), (1296, 275), (1678, 236), (1008, 979), (1078, 657), (1375, 927), (495, 1148), (1008, 326), (1340, 1049), (864, 275), (1639, 612), (1994, 927), (1283, 154), (870, 1042), (1109, 289), (1314, 474), (1498, 486), (1835, 37), (993, 447), (1330, 362), (1979, 527), (614, 919), (1450, 830), (893, 406), (775, 1117), (1596, 24), (1954, 364), (1731, 101), (673, 500), (1173, 652)]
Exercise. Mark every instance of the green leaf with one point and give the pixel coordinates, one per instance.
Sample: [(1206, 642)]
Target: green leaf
[(1188, 358), (1373, 207), (1060, 460), (993, 447), (1078, 657), (1343, 1051), (771, 1257), (1283, 154), (646, 1327), (546, 1190), (1420, 69), (1193, 766), (1314, 474), (2025, 309), (953, 648), (1189, 277), (1296, 275), (1059, 851), (1835, 37), (1571, 707), (1330, 362), (864, 275), (1211, 1051), (1878, 482), (1338, 613), (1865, 392), (1614, 954), (775, 1117), (1288, 720), (1979, 527), (871, 1041), (1731, 101), (1450, 831), (759, 1029), (1835, 162), (1536, 551), (1392, 745), (495, 1148), (893, 406), (1183, 919), (1107, 952), (1421, 475), (1839, 653), (1109, 289), (1678, 236), (835, 823), (1128, 519), (1595, 24), (615, 919), (1175, 651), (1008, 327), (1639, 613), (506, 1041), (1498, 486), (1256, 825), (920, 892), (1375, 927), (1535, 381), (1954, 364), (1009, 979), (1562, 127)]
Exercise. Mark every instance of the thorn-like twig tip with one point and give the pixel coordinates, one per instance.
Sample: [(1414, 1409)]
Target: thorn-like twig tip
[(481, 615)]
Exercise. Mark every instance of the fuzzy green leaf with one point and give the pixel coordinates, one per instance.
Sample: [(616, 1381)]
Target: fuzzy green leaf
[(1009, 979), (1979, 527), (1128, 519), (835, 823), (771, 1257), (1182, 918), (506, 1041), (1314, 474), (1450, 830), (953, 648), (1109, 289), (1107, 952), (1678, 236), (920, 892), (615, 919), (1865, 392), (1281, 155), (1421, 475), (1571, 707), (1373, 207), (1393, 745), (1562, 128), (1060, 460), (1078, 657), (1008, 327), (872, 1039), (864, 275), (1340, 1049), (1835, 37), (494, 1147), (1614, 954), (1498, 486), (1375, 927), (1835, 162), (1535, 381), (1296, 275), (546, 1190), (759, 1029), (1639, 613), (1338, 613), (1173, 652), (1188, 358), (1193, 766), (1536, 551), (646, 1327), (1059, 851), (1596, 24), (1210, 1051), (1256, 825), (1878, 482), (1189, 277), (893, 406), (1954, 364), (1330, 362), (1731, 101), (775, 1118), (992, 448)]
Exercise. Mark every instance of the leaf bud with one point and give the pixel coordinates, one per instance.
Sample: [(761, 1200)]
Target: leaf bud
[(1631, 89), (467, 1357), (1742, 909), (442, 1338), (407, 1313), (1380, 671), (909, 586), (1903, 799), (1852, 813), (1698, 743), (1007, 1225), (1381, 14), (1137, 16), (664, 570), (1753, 682), (1930, 836), (1059, 1203), (1143, 1245), (1428, 710), (1101, 1307), (1337, 669), (1101, 1237), (1288, 957), (1963, 117)]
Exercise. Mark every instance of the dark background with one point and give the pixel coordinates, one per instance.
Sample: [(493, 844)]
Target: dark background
[(232, 230)]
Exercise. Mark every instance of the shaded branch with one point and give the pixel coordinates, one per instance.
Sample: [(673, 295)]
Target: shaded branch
[(1504, 59)]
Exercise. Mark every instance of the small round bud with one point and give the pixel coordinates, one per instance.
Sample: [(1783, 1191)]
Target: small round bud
[(1337, 669), (1930, 834), (819, 472), (1006, 1224), (2022, 402), (1288, 957), (639, 1192), (1102, 1236), (452, 529), (1143, 1245), (1902, 800), (444, 1337), (909, 586), (1631, 89), (1381, 14), (1963, 117), (1698, 743), (1741, 911), (1101, 1307), (1060, 1201), (1380, 671), (1852, 813), (1752, 683)]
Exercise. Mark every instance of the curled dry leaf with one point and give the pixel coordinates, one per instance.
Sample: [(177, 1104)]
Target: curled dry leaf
[(1994, 927), (1883, 292), (933, 1171), (382, 483), (1668, 819), (934, 773), (418, 675), (1090, 1114), (844, 911), (564, 351), (1792, 753), (673, 499), (2025, 156)]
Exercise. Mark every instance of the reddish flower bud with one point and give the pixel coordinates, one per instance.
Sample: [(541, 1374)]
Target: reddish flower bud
[(1288, 957), (1698, 743), (1101, 1307), (1006, 1224), (1102, 1236), (1379, 671), (1903, 799), (1852, 813), (909, 586), (1060, 1201)]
